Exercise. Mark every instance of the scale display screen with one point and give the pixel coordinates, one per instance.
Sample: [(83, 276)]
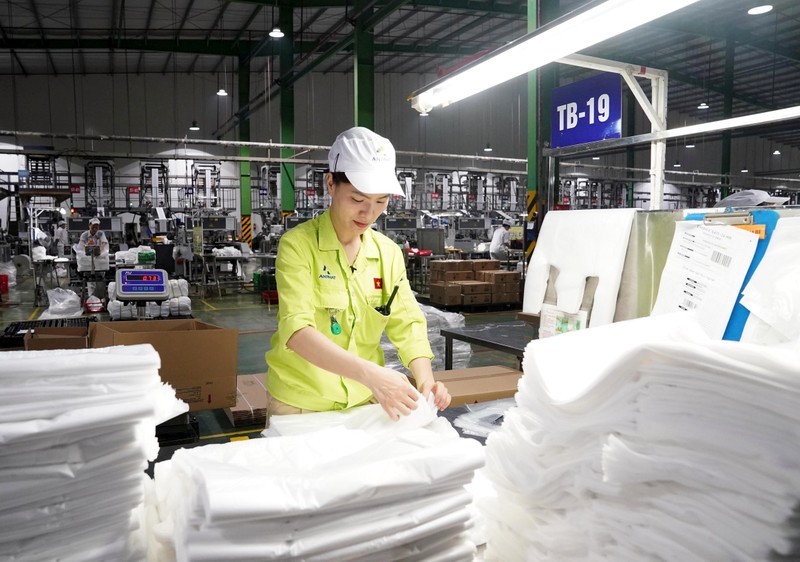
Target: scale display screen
[(142, 284)]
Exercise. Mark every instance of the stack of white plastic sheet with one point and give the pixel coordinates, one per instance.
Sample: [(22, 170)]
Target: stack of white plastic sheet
[(381, 492), (76, 430), (651, 443)]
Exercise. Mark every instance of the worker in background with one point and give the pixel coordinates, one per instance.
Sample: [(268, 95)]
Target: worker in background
[(61, 237), (94, 237), (498, 249), (336, 277)]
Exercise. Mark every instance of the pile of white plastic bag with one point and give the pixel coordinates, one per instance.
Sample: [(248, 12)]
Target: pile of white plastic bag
[(178, 303), (652, 443), (226, 252), (321, 490), (77, 428)]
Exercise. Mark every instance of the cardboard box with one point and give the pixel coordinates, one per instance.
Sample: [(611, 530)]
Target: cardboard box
[(445, 265), (499, 276), (465, 265), (481, 298), (483, 265), (505, 298), (56, 338), (445, 293), (197, 359), (450, 276), (473, 287), (479, 384), (251, 401), (504, 287)]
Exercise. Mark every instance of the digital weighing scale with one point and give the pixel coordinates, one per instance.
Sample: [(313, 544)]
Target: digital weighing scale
[(141, 286)]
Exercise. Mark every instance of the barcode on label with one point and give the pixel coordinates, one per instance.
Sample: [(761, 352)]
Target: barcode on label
[(720, 258), (688, 305)]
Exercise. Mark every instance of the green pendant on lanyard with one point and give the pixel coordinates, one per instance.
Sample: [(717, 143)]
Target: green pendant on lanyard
[(336, 328)]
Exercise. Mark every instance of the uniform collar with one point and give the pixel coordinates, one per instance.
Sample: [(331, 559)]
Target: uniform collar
[(329, 241)]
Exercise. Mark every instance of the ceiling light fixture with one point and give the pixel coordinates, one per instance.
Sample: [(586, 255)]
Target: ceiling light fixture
[(703, 105), (488, 148), (424, 114), (222, 92), (689, 144), (676, 164), (776, 152), (195, 126), (591, 24), (595, 158), (276, 33), (744, 169), (758, 10)]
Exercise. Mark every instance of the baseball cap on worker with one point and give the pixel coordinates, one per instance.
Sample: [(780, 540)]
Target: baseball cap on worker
[(367, 159), (94, 220)]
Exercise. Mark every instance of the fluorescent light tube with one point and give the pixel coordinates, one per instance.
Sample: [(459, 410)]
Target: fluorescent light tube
[(596, 23)]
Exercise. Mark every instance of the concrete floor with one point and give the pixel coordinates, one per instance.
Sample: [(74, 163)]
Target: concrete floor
[(256, 322)]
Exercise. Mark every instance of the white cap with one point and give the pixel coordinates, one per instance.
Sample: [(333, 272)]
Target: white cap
[(368, 159), (750, 198), (94, 220), (506, 222)]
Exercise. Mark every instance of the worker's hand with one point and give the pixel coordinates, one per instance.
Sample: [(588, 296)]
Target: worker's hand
[(393, 392), (441, 397)]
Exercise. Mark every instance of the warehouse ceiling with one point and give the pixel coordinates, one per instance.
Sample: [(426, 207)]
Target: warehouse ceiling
[(82, 37)]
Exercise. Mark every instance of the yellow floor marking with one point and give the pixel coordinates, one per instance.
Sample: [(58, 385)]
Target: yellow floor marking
[(208, 305), (231, 435), (34, 313), (242, 438)]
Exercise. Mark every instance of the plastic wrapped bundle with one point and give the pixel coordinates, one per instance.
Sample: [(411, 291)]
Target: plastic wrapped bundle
[(180, 306), (165, 309), (672, 446), (326, 493), (75, 443), (153, 310), (436, 319)]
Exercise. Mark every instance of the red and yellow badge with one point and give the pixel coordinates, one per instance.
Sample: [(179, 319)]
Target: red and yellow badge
[(378, 282)]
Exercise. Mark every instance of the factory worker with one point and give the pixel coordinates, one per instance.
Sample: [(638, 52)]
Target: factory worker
[(61, 237), (336, 277), (498, 249), (94, 237)]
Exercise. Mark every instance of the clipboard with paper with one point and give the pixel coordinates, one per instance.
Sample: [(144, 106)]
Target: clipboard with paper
[(711, 259)]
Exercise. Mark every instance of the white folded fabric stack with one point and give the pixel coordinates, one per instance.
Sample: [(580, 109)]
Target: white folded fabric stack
[(652, 443), (76, 430), (331, 494)]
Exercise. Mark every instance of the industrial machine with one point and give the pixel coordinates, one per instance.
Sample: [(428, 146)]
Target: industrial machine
[(153, 188), (99, 186), (204, 191)]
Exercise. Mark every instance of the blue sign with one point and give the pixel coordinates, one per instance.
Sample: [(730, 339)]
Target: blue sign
[(587, 111)]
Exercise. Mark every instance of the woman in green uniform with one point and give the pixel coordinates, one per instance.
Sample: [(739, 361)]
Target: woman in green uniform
[(335, 278)]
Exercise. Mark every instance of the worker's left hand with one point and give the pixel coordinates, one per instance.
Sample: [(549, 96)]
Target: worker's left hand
[(441, 397)]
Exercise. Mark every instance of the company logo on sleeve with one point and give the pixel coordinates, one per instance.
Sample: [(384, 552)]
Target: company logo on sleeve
[(326, 273), (378, 281)]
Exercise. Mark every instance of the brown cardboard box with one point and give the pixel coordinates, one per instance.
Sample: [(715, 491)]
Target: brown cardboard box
[(464, 265), (473, 287), (251, 401), (458, 276), (499, 276), (197, 359), (482, 298), (56, 338), (504, 287), (482, 265), (445, 265), (505, 298), (479, 384), (445, 293)]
